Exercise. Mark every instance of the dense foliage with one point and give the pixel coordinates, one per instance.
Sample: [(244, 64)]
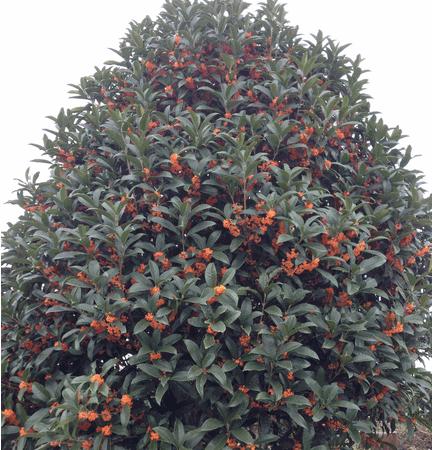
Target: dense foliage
[(230, 251)]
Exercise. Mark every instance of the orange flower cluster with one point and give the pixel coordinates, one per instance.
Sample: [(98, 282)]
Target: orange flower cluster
[(87, 444), (130, 205), (114, 331), (117, 281), (359, 248), (405, 241), (97, 378), (244, 341), (398, 328), (63, 345), (34, 347), (287, 393), (329, 295), (327, 164), (105, 430), (333, 243), (336, 425), (339, 134), (154, 436), (344, 301), (395, 262), (83, 277), (175, 165), (287, 264), (205, 254), (153, 322), (106, 415), (91, 416), (197, 269), (291, 269), (195, 186), (233, 229), (423, 251), (26, 385), (409, 308), (309, 266), (126, 400), (390, 318), (243, 389), (391, 327), (305, 136), (141, 268), (266, 166), (152, 124), (10, 417), (255, 225), (160, 256), (211, 331), (23, 432), (50, 302), (232, 443), (67, 158), (34, 208), (378, 397), (98, 325), (315, 151), (219, 290), (411, 261), (155, 356), (155, 290), (91, 247), (190, 83)]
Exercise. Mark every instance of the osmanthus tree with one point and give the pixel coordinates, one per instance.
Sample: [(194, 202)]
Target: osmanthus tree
[(230, 251)]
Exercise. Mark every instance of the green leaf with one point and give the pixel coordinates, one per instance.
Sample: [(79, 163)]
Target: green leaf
[(43, 355), (220, 256), (201, 226), (166, 224), (165, 434), (371, 263), (363, 358), (328, 276), (211, 424), (67, 255), (242, 435), (218, 373), (296, 417), (305, 351), (211, 275), (194, 351), (160, 392), (345, 404), (40, 392), (36, 417), (217, 443), (141, 326), (125, 415), (200, 383), (298, 400)]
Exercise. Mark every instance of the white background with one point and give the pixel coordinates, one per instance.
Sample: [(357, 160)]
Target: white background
[(47, 44)]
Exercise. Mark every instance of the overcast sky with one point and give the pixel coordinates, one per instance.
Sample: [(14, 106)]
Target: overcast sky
[(50, 43)]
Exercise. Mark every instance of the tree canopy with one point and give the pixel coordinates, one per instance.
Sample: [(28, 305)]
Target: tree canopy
[(230, 250)]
